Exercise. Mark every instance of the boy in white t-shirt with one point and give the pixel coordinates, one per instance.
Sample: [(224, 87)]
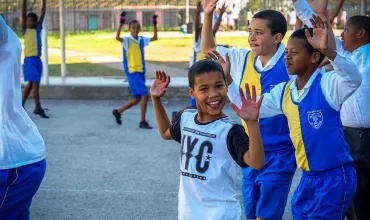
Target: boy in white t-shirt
[(212, 145), (22, 149)]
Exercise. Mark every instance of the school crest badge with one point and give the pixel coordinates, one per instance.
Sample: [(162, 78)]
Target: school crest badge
[(315, 118)]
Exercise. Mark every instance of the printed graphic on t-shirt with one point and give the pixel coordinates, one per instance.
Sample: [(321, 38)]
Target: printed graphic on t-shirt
[(195, 153)]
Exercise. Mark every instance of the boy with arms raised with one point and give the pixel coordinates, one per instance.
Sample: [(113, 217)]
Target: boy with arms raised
[(212, 145), (262, 66)]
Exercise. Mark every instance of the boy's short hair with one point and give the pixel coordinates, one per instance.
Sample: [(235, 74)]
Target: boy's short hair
[(33, 16), (276, 22), (133, 22), (361, 22), (300, 34), (204, 66)]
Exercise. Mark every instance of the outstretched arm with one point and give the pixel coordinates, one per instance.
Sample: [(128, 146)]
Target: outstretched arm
[(219, 19), (24, 13), (155, 36), (249, 112), (197, 21), (157, 90), (208, 41), (118, 34), (43, 11), (333, 13)]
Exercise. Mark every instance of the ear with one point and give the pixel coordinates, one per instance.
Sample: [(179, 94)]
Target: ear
[(361, 33), (278, 38), (315, 57), (191, 93)]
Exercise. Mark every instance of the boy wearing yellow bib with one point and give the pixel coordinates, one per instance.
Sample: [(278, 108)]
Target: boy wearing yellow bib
[(312, 104), (265, 192), (32, 65), (134, 67)]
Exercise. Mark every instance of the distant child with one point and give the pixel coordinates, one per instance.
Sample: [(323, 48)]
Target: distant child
[(312, 102), (134, 67), (32, 66), (212, 145)]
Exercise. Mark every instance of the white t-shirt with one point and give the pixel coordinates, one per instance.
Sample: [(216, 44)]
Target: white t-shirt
[(146, 41), (208, 171), (20, 141), (235, 13), (292, 18)]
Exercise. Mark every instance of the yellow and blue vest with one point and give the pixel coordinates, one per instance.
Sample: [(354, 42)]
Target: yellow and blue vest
[(274, 130), (198, 56), (315, 129), (32, 41), (133, 57)]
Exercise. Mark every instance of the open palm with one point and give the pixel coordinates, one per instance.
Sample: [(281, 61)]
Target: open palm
[(209, 6), (160, 84), (223, 8), (319, 40), (216, 56), (250, 108)]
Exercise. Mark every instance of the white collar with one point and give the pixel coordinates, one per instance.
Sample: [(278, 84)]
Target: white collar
[(293, 85)]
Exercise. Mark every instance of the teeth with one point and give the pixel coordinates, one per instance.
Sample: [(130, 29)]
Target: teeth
[(214, 103)]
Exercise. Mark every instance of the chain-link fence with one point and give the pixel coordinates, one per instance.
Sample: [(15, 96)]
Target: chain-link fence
[(92, 15)]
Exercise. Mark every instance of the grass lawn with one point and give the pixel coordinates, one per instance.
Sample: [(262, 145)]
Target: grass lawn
[(78, 67), (163, 50)]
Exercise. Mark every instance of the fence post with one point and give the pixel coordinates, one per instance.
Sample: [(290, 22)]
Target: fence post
[(63, 67), (45, 68)]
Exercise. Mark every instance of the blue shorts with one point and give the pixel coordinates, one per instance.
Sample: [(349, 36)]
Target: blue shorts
[(325, 194), (32, 69), (265, 192), (17, 187), (137, 85)]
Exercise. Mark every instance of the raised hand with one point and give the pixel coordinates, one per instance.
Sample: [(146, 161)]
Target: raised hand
[(154, 19), (160, 84), (250, 109), (123, 17), (318, 6), (319, 40), (209, 6), (214, 55), (223, 8)]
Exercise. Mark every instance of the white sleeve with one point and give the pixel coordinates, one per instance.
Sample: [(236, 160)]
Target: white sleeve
[(124, 43), (341, 83), (3, 31), (237, 58), (271, 104), (303, 11), (146, 41)]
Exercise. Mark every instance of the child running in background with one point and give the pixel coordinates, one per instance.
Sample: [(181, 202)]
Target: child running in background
[(134, 67), (32, 65), (212, 145)]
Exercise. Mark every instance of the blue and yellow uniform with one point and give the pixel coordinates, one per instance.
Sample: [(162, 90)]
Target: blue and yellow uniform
[(328, 176), (134, 64), (197, 56), (32, 65), (265, 191)]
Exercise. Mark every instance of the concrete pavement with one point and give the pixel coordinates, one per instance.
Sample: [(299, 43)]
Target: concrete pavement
[(98, 170)]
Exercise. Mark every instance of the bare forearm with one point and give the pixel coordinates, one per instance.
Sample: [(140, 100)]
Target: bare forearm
[(118, 34), (197, 25), (208, 42), (43, 11), (161, 117), (333, 13), (217, 24), (255, 157), (155, 36)]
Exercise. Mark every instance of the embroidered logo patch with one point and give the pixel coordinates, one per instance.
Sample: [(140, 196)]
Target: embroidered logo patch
[(315, 118)]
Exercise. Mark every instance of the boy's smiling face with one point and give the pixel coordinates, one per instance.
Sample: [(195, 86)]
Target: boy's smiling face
[(210, 92), (297, 58), (135, 29), (30, 22), (260, 39)]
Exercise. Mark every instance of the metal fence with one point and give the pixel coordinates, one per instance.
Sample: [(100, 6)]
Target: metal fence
[(92, 15)]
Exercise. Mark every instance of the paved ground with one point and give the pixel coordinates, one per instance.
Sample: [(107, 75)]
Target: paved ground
[(98, 170)]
